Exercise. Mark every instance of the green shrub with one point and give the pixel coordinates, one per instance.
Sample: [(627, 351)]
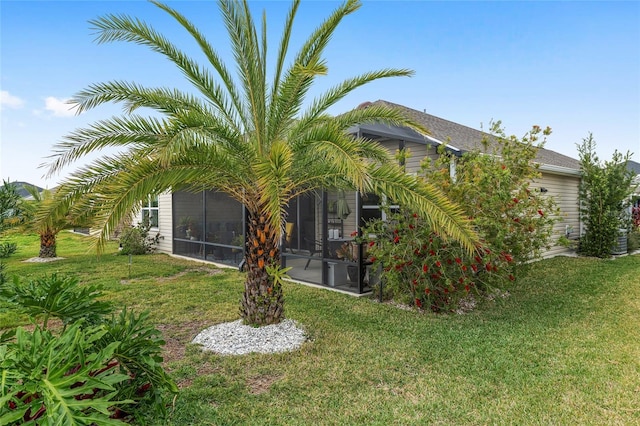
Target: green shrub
[(604, 197), (136, 240), (55, 296), (63, 379), (633, 241), (494, 188), (7, 249), (424, 270), (139, 356), (96, 370)]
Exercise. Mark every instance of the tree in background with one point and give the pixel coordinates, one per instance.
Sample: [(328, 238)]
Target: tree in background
[(495, 187), (12, 207), (605, 192), (13, 212), (247, 135), (47, 226)]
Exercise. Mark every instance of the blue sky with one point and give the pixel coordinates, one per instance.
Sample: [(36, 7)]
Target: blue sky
[(574, 66)]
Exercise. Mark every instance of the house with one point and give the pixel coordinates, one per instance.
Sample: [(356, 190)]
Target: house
[(560, 174), (634, 167), (208, 225)]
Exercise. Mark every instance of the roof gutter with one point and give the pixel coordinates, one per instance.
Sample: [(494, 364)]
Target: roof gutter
[(559, 170), (448, 147)]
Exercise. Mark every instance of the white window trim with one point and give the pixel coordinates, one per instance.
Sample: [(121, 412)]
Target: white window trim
[(151, 211)]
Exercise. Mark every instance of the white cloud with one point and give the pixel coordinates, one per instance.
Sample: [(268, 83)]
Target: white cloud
[(7, 99), (59, 107)]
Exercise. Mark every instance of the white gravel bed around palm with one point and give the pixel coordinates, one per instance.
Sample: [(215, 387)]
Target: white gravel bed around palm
[(235, 338), (43, 259)]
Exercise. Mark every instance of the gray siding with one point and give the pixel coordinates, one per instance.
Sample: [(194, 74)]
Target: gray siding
[(565, 191), (418, 154)]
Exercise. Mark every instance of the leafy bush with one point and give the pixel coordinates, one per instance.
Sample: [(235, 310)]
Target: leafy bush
[(139, 356), (62, 379), (604, 197), (136, 240), (633, 240), (424, 270), (494, 188), (96, 370), (60, 297)]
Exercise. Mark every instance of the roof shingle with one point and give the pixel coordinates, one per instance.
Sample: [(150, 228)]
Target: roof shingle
[(467, 139)]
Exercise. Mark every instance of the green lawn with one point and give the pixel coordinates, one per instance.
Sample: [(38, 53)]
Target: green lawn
[(562, 348)]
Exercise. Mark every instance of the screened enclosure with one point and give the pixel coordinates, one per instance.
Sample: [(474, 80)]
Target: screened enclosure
[(318, 241), (319, 235)]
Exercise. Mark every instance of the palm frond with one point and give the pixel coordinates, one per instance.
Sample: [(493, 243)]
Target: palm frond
[(115, 132), (340, 155), (249, 61), (232, 114), (378, 114), (422, 197), (282, 50), (274, 181), (123, 28), (318, 40), (337, 93), (291, 92), (135, 96)]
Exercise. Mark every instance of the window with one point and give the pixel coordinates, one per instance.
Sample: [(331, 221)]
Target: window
[(150, 211)]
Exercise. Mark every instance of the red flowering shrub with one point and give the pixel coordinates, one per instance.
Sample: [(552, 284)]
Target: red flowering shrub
[(497, 189), (498, 193), (426, 270), (635, 217)]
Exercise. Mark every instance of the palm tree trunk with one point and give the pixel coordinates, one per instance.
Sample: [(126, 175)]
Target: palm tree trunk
[(47, 244), (262, 302)]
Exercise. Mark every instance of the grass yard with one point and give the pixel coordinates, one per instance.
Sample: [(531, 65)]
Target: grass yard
[(562, 348)]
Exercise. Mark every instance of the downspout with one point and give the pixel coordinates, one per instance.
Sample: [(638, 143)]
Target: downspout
[(452, 168)]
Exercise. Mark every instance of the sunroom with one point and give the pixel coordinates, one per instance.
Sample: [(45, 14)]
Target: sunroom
[(319, 241)]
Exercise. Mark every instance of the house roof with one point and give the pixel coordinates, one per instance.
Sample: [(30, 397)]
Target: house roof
[(634, 167), (462, 138), (22, 190)]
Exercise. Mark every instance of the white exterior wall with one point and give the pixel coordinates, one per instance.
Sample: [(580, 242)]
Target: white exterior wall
[(165, 222)]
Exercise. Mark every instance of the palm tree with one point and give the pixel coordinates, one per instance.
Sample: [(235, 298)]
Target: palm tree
[(246, 135), (12, 206), (46, 225)]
